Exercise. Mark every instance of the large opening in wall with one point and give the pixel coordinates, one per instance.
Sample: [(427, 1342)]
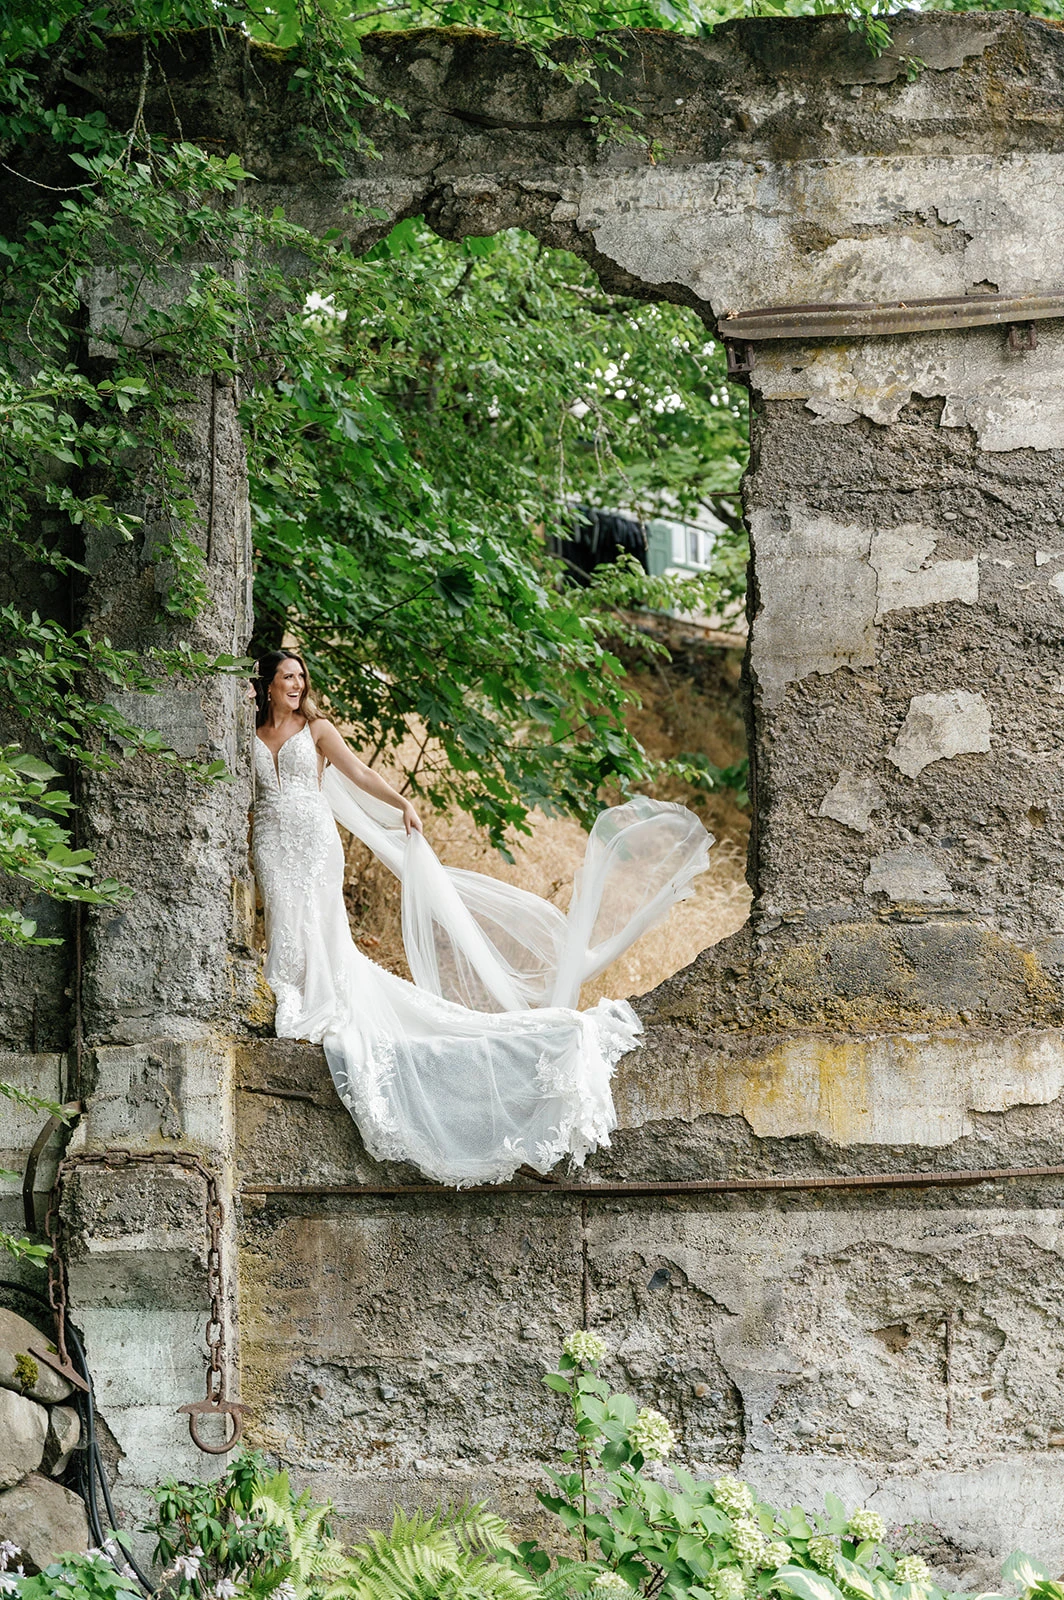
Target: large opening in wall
[(519, 575)]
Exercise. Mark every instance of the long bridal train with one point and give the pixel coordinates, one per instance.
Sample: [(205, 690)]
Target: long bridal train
[(483, 1063)]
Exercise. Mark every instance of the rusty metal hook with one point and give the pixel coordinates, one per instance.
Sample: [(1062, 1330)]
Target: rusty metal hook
[(214, 1408)]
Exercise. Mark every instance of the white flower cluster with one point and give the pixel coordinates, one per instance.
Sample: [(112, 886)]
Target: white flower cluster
[(585, 1348), (865, 1524), (728, 1584), (188, 1566), (912, 1569), (747, 1541), (611, 1586), (320, 313), (775, 1555), (651, 1435), (823, 1550), (225, 1589), (733, 1496)]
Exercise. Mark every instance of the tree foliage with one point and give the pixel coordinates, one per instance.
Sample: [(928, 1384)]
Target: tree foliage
[(459, 401)]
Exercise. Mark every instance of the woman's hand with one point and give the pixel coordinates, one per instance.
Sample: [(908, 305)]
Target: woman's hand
[(411, 820)]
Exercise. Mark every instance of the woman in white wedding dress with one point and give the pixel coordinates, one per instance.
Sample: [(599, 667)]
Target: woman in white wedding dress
[(482, 1064)]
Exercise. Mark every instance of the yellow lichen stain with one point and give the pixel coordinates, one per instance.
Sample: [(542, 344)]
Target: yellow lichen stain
[(259, 1009)]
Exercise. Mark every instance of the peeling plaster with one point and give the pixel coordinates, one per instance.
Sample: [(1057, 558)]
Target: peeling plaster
[(937, 53), (940, 726), (852, 801), (732, 231), (908, 877), (907, 577), (1012, 400), (848, 577)]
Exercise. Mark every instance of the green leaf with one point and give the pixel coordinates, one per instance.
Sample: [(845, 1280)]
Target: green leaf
[(854, 1578), (1019, 1568), (805, 1584)]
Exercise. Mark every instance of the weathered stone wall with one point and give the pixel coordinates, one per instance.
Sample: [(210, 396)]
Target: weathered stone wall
[(895, 1002)]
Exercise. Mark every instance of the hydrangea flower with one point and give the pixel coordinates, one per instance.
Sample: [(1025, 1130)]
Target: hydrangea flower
[(611, 1586), (733, 1496), (585, 1348), (775, 1555), (865, 1524), (912, 1569), (651, 1435), (823, 1550), (729, 1584), (747, 1541)]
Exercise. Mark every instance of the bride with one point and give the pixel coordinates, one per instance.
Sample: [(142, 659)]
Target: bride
[(482, 1064)]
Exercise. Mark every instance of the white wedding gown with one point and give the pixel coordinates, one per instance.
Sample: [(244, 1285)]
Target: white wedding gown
[(483, 1063)]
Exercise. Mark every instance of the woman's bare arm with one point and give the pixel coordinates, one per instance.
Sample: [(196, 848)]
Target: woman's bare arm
[(336, 749)]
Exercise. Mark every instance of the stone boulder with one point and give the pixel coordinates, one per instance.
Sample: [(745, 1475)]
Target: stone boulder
[(23, 1372), (23, 1430), (64, 1432), (44, 1520)]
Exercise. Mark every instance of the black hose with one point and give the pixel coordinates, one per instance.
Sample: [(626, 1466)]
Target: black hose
[(90, 1461)]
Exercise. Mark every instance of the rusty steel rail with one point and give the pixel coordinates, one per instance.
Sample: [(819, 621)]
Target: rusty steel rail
[(864, 318), (649, 1189)]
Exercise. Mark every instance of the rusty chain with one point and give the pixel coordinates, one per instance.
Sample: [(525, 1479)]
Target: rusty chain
[(214, 1402)]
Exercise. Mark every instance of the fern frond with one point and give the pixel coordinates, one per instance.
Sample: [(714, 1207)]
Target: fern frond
[(477, 1528), (275, 1492), (555, 1584)]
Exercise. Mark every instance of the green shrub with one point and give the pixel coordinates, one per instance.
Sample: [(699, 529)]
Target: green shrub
[(639, 1530), (708, 1539)]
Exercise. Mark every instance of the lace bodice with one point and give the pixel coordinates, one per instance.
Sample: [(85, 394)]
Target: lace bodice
[(295, 770)]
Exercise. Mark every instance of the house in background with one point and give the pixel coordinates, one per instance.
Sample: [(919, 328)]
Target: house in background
[(681, 548)]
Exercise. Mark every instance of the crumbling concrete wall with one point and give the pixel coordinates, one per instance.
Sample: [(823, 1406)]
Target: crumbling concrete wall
[(895, 1002)]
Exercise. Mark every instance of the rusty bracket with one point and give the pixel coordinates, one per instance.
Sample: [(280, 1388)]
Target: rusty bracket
[(739, 354), (1023, 336), (57, 1120), (52, 1358)]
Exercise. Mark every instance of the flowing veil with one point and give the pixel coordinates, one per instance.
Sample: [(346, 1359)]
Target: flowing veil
[(491, 946)]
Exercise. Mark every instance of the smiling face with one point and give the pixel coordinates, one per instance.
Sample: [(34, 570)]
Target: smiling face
[(288, 686)]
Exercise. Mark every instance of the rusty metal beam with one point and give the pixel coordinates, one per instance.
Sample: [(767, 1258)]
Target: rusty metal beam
[(865, 319), (637, 1189)]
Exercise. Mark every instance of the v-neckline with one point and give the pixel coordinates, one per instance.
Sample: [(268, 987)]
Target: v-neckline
[(275, 756)]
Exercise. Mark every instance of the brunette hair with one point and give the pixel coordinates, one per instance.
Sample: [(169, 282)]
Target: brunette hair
[(265, 672)]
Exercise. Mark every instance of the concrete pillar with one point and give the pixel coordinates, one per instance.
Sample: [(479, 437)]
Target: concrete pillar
[(168, 978)]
